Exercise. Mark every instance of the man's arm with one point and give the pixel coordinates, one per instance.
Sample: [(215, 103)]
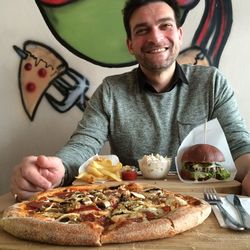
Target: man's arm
[(243, 172)]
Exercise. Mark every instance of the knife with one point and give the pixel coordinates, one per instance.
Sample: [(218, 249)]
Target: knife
[(235, 201)]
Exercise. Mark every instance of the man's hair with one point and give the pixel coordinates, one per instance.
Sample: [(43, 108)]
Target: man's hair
[(132, 5)]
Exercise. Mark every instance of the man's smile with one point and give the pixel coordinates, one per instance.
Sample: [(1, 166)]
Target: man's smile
[(156, 50)]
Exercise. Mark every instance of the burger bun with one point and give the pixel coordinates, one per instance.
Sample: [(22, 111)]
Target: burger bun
[(202, 153)]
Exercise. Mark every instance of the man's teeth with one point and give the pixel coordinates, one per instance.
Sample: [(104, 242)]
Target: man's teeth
[(157, 50)]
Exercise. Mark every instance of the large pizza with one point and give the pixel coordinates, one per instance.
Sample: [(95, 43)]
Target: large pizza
[(99, 214)]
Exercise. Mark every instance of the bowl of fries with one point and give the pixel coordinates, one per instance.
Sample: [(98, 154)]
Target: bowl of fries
[(100, 168)]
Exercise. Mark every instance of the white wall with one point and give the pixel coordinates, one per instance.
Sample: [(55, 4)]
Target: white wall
[(235, 58), (20, 20)]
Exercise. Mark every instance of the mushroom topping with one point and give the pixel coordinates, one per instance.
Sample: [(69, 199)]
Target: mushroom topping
[(103, 204), (137, 195), (66, 218)]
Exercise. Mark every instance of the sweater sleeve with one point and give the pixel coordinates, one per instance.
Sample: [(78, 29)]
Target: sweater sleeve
[(89, 137), (228, 114)]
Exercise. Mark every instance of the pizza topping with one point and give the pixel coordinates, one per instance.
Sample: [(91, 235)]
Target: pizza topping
[(83, 208), (51, 215), (166, 209), (153, 190), (56, 199), (37, 205), (86, 200), (138, 195), (181, 201), (66, 218), (121, 209), (150, 215), (119, 217), (109, 205), (87, 217), (103, 204)]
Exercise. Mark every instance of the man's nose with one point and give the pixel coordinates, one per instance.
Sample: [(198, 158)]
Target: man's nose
[(156, 35)]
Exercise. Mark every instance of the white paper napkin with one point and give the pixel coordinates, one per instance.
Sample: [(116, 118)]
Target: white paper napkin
[(245, 201)]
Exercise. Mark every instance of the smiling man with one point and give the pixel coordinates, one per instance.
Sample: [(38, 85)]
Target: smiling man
[(149, 110), (155, 39)]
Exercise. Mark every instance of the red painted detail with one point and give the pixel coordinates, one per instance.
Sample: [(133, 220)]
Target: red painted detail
[(55, 2), (42, 72), (30, 87), (28, 66)]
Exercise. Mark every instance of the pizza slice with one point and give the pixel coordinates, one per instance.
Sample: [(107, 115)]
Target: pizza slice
[(147, 213), (66, 216), (39, 66)]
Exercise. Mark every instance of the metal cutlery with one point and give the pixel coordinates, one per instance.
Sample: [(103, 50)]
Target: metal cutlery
[(244, 216), (211, 196)]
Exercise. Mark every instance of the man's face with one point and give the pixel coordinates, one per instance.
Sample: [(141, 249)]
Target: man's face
[(155, 39)]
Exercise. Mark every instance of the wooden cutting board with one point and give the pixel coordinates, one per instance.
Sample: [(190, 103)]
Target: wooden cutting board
[(173, 183)]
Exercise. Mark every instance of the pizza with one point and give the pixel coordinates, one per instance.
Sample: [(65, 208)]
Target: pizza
[(39, 66), (99, 214)]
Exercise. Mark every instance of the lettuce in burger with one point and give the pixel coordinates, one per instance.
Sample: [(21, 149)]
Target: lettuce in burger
[(202, 162)]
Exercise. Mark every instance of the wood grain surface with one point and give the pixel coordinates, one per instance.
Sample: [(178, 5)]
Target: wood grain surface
[(173, 183), (208, 235)]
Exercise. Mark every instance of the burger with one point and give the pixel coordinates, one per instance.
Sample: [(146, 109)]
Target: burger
[(202, 162)]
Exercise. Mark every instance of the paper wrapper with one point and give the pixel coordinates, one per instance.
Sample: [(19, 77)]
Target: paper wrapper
[(214, 136)]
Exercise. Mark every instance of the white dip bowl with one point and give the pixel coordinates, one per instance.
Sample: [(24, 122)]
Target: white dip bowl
[(154, 167)]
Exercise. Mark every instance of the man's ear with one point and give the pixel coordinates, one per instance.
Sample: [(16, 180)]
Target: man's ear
[(129, 46), (180, 31)]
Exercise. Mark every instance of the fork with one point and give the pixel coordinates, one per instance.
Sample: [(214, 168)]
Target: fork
[(211, 196)]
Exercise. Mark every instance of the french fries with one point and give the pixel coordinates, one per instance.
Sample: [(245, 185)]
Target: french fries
[(101, 169)]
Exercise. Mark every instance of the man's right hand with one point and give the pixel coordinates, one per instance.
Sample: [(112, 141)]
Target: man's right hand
[(35, 174)]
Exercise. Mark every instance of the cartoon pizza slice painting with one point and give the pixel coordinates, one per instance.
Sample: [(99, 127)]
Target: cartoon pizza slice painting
[(39, 66)]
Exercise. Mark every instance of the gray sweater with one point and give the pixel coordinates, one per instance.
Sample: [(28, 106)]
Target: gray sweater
[(138, 122)]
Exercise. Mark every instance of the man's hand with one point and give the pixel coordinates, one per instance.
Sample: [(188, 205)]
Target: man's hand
[(243, 172), (34, 174), (246, 185)]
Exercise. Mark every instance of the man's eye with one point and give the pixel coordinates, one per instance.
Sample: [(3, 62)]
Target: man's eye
[(167, 26), (141, 31)]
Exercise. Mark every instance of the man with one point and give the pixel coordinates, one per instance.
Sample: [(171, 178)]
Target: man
[(148, 110)]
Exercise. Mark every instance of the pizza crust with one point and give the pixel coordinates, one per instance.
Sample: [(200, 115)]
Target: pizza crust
[(52, 232), (189, 217), (149, 230), (16, 222), (178, 221)]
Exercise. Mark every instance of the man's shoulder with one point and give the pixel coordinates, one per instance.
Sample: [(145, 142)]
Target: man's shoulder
[(189, 68), (205, 74)]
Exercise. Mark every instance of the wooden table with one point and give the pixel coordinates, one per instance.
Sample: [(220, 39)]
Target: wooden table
[(173, 183), (205, 236)]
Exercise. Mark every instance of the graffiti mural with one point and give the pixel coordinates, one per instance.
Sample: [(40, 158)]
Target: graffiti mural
[(40, 67), (211, 35), (93, 30)]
